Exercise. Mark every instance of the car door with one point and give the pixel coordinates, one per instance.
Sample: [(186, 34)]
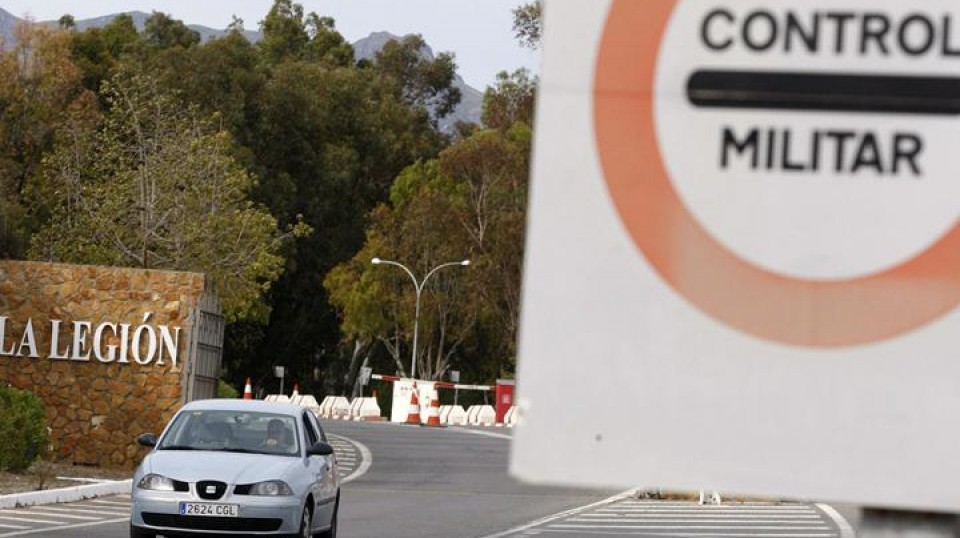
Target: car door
[(322, 469)]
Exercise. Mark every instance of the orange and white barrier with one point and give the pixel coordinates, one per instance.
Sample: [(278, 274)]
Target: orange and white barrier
[(413, 410), (433, 410)]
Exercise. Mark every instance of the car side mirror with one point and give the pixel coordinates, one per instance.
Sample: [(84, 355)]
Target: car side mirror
[(147, 439), (320, 449)]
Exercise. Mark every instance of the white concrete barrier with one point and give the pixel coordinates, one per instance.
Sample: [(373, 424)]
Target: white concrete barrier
[(486, 415), (444, 411), (456, 416), (510, 419), (340, 408), (307, 401), (295, 399), (354, 409), (472, 413), (325, 406), (281, 398), (369, 409)]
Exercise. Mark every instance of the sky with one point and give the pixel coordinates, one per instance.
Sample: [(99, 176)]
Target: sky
[(478, 32)]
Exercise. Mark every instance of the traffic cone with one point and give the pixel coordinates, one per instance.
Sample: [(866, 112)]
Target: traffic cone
[(296, 390), (247, 391), (413, 413), (433, 412)]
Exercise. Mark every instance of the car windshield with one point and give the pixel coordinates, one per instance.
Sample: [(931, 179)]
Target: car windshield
[(233, 431)]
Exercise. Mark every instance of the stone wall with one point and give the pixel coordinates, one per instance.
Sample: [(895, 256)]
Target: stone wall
[(100, 389)]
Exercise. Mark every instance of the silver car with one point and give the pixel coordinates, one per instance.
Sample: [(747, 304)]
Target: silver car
[(229, 467)]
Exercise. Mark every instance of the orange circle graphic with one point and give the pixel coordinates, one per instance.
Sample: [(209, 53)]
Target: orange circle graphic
[(729, 289)]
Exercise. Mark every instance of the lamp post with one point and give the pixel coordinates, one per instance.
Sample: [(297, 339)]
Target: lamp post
[(418, 286)]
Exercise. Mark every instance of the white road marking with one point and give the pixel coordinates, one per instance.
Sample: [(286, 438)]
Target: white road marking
[(30, 520), (41, 513), (482, 432), (115, 503), (66, 527), (81, 510), (846, 530), (689, 527), (13, 527), (713, 534), (561, 515)]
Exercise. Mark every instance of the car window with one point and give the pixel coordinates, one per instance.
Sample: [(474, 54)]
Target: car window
[(232, 431), (316, 425), (312, 436)]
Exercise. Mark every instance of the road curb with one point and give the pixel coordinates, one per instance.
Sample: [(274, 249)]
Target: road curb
[(65, 495)]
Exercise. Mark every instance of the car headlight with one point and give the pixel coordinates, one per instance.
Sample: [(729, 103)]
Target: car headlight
[(156, 482), (271, 488)]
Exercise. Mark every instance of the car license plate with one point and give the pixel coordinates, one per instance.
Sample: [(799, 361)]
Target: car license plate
[(209, 509)]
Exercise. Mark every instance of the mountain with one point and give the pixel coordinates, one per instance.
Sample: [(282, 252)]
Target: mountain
[(471, 100), (9, 21)]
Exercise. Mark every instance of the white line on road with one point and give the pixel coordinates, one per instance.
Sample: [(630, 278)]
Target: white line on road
[(13, 527), (366, 460), (29, 520), (712, 535), (846, 530), (593, 519), (482, 432), (691, 527), (48, 513), (561, 515), (115, 503), (66, 527)]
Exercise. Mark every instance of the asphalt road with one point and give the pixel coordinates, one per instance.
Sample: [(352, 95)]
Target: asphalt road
[(402, 481), (419, 482)]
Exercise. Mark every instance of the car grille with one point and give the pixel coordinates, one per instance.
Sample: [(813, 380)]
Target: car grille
[(204, 523), (217, 489)]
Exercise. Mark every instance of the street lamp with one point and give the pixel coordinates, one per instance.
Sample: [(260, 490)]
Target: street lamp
[(418, 285)]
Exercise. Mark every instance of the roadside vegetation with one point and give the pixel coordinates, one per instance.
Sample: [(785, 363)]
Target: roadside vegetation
[(280, 168), (23, 428)]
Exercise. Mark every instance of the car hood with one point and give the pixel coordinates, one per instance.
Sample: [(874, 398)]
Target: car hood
[(229, 467)]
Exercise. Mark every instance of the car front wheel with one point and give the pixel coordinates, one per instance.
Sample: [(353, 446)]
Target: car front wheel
[(305, 523)]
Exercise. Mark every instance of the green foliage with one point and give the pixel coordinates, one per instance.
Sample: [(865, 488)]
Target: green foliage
[(528, 24), (153, 185), (511, 100), (23, 428), (225, 390)]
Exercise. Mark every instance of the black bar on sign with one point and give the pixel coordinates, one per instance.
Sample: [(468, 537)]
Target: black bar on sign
[(821, 91)]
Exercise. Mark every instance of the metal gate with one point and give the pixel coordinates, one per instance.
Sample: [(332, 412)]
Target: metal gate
[(202, 371)]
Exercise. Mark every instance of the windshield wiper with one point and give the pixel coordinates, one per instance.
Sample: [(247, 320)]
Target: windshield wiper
[(178, 447)]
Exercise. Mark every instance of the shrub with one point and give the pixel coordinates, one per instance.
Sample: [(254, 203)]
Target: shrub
[(23, 428), (225, 390)]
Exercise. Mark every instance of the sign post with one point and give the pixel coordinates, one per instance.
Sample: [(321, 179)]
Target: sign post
[(766, 247), (278, 371)]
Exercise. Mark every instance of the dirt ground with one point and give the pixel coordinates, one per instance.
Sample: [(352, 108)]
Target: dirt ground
[(44, 475)]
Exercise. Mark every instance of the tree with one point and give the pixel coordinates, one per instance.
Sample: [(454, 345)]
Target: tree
[(152, 184), (419, 227), (468, 202), (37, 82), (528, 24), (417, 79), (163, 31), (511, 100)]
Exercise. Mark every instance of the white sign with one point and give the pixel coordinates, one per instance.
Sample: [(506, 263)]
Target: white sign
[(82, 341), (765, 240)]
